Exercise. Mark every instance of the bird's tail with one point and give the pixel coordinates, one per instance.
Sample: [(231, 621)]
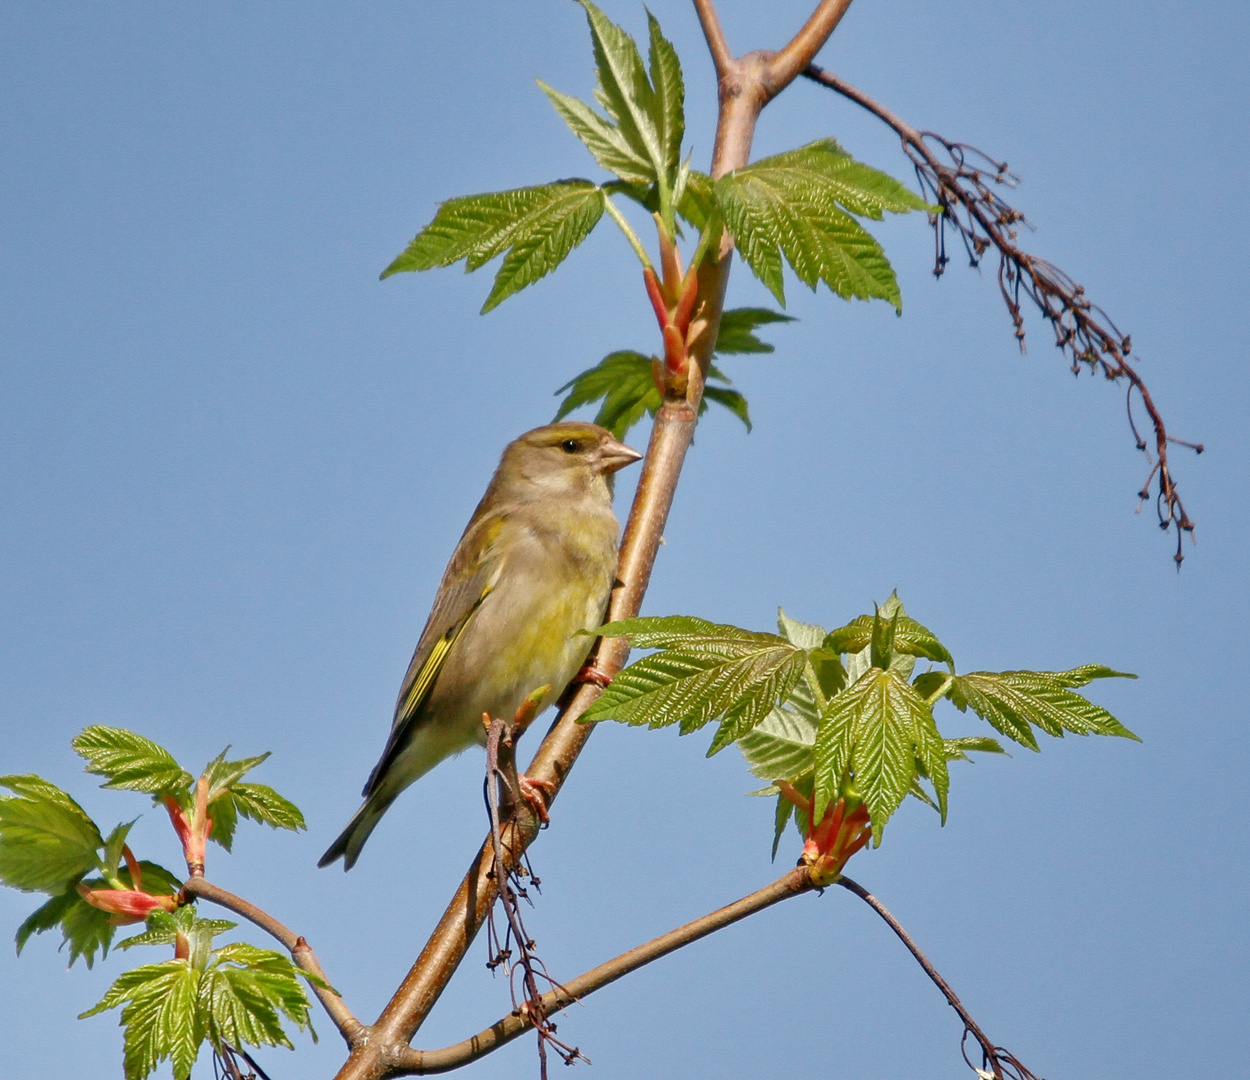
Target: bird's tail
[(353, 838)]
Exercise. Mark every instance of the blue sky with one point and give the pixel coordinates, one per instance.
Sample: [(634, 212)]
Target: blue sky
[(233, 465)]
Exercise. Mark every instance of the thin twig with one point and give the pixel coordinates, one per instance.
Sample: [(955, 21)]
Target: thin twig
[(716, 43), (963, 181), (1000, 1064), (504, 799), (352, 1030), (421, 1062)]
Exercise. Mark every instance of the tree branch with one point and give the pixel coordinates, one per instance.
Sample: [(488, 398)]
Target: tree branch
[(787, 65), (352, 1030), (716, 43), (1001, 1064), (422, 1062), (960, 184), (742, 94)]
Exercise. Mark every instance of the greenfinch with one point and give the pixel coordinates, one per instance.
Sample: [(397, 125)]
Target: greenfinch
[(535, 566)]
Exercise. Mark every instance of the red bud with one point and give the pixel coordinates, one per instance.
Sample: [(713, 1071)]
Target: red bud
[(656, 295), (686, 302), (126, 905)]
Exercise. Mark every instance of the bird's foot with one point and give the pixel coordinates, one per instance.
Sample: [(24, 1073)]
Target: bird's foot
[(591, 674), (536, 792)]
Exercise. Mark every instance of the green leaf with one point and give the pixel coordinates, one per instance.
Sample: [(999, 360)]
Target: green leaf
[(624, 90), (730, 399), (229, 797), (537, 226), (625, 385), (884, 631), (86, 929), (669, 95), (46, 917), (698, 200), (130, 761), (804, 635), (602, 138), (160, 1017), (738, 326), (623, 382), (164, 928), (261, 803), (784, 812), (876, 729), (959, 749), (825, 666), (909, 637), (1014, 702), (781, 746), (113, 846), (222, 775), (258, 802), (47, 841), (155, 879), (789, 205), (705, 671), (932, 685), (237, 994), (225, 820), (246, 992)]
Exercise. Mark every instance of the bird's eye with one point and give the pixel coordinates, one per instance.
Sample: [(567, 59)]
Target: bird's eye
[(569, 446)]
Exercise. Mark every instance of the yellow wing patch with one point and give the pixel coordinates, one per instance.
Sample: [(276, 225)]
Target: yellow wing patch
[(424, 682)]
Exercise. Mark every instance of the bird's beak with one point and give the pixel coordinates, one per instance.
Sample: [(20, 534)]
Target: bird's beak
[(614, 455)]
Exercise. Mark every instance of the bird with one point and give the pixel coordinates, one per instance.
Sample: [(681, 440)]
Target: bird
[(534, 566)]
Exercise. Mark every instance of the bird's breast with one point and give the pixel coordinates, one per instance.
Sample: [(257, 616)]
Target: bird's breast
[(553, 583)]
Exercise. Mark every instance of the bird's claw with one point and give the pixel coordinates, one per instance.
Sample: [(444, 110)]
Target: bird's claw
[(535, 792), (591, 674)]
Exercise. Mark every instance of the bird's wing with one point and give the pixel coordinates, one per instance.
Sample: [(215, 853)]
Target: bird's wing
[(467, 581)]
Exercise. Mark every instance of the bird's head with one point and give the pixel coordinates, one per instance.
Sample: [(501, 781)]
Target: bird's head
[(567, 458)]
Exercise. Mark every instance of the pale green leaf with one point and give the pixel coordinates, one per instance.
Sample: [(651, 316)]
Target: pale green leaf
[(804, 635), (47, 841), (537, 227), (704, 672), (794, 204), (225, 821), (959, 749), (250, 989), (624, 90), (602, 138), (875, 730), (130, 761), (114, 844), (698, 200), (222, 775), (258, 802), (909, 637), (824, 666), (781, 746), (623, 382), (669, 96), (1014, 702), (86, 930), (159, 1017), (546, 243), (261, 803)]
